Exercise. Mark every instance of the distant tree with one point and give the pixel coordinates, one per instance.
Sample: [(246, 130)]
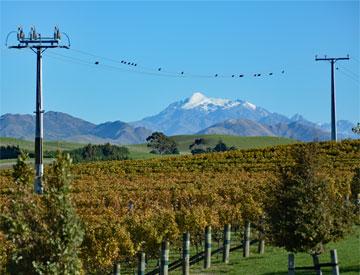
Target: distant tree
[(161, 144), (9, 152), (199, 146), (220, 147), (356, 129), (100, 152), (198, 141), (306, 211)]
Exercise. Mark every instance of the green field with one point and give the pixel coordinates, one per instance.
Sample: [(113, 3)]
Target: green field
[(184, 141), (48, 145), (141, 151)]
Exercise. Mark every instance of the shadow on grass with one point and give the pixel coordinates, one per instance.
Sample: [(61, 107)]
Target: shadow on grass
[(343, 270), (353, 268)]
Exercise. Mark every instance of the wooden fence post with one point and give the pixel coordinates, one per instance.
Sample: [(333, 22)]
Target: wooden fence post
[(291, 264), (334, 260), (141, 264), (164, 259), (186, 254), (117, 269), (246, 249), (207, 256), (261, 247), (226, 250), (316, 262)]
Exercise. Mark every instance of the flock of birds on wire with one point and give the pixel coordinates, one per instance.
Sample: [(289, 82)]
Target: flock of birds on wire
[(160, 71), (182, 72)]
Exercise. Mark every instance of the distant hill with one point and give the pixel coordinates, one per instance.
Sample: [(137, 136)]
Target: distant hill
[(61, 126), (243, 127), (239, 127)]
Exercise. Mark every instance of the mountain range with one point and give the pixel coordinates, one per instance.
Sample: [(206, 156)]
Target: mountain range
[(196, 114), (202, 114), (61, 126)]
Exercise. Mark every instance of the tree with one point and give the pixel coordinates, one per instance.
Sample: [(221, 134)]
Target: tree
[(356, 129), (306, 211), (199, 146), (161, 144), (355, 194), (44, 231), (99, 152), (9, 152), (222, 147)]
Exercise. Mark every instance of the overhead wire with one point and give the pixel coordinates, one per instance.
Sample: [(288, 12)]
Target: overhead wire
[(349, 71), (103, 65), (356, 80), (161, 71)]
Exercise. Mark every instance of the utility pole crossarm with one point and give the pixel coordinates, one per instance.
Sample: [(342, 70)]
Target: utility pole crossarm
[(38, 45), (331, 58)]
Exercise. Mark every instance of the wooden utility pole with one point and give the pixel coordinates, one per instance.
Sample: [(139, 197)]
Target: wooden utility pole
[(38, 45), (333, 102)]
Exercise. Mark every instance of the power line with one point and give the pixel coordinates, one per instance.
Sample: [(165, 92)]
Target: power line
[(350, 71), (161, 71), (356, 80)]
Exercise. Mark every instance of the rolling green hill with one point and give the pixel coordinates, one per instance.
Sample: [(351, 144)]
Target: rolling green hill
[(48, 145), (141, 151), (238, 141)]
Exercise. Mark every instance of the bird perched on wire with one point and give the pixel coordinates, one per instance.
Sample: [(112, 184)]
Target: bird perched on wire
[(96, 62)]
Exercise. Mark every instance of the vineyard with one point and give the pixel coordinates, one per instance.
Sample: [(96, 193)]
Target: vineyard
[(131, 206)]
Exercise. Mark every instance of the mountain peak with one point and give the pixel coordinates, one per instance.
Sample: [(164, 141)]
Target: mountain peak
[(199, 100)]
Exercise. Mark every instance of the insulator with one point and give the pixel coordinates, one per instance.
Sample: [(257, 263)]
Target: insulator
[(34, 34), (58, 34)]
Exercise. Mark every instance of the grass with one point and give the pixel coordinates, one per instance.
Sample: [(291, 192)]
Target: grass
[(239, 142), (274, 261)]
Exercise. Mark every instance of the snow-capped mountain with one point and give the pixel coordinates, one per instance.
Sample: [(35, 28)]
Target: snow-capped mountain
[(202, 114), (199, 112)]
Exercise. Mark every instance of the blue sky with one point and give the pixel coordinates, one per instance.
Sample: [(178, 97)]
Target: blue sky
[(204, 37)]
